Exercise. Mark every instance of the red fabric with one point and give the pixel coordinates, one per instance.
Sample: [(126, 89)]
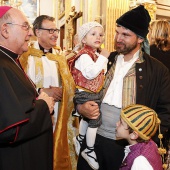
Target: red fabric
[(3, 10), (94, 85)]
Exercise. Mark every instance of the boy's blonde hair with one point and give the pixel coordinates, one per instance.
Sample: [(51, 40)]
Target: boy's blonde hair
[(85, 28)]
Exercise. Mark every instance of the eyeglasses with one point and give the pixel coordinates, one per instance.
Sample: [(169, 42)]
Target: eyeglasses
[(51, 31), (25, 27)]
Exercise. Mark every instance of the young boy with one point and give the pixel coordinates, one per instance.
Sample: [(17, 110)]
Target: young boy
[(137, 125), (88, 68)]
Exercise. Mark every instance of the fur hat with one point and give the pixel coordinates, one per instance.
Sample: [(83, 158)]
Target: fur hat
[(141, 119), (3, 10), (85, 28), (136, 20)]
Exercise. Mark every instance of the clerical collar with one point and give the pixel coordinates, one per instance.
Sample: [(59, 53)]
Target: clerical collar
[(44, 50)]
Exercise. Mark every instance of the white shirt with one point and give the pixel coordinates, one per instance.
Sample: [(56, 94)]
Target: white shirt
[(113, 95), (89, 68), (50, 76), (140, 162)]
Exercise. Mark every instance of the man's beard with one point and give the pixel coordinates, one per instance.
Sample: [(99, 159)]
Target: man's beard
[(125, 49)]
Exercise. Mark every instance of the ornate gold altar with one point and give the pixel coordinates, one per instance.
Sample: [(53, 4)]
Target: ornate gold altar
[(14, 3)]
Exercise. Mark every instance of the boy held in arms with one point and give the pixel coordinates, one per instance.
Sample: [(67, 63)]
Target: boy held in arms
[(137, 125), (88, 68)]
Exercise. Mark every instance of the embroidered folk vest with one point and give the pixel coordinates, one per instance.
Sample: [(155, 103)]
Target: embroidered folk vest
[(94, 85), (147, 149), (129, 81)]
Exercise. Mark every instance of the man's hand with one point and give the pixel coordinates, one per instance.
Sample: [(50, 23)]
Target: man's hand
[(55, 92), (49, 100), (89, 109)]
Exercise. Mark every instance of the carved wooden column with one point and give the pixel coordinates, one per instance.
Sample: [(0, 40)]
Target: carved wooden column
[(151, 7), (114, 9)]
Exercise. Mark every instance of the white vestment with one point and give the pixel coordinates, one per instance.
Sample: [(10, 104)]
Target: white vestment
[(50, 76)]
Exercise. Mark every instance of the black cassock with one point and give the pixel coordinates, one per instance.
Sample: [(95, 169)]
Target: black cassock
[(26, 136)]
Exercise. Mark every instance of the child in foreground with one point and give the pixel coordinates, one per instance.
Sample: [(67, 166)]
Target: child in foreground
[(137, 125), (88, 68)]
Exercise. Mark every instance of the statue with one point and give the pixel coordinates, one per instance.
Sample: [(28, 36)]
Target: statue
[(71, 26)]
